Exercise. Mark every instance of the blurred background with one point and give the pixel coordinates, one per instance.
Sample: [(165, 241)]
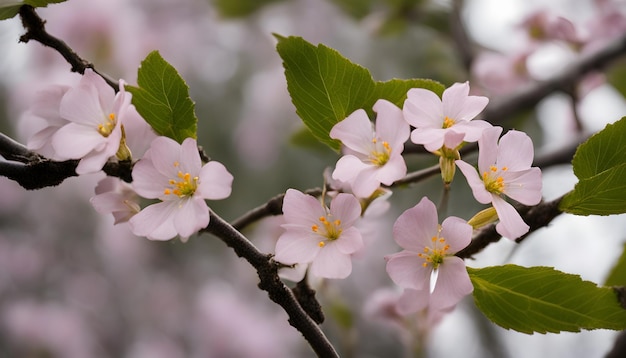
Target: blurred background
[(74, 285)]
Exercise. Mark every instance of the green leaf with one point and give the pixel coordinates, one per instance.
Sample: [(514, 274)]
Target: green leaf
[(602, 151), (617, 276), (600, 165), (542, 299), (602, 194), (326, 87), (10, 8), (162, 99)]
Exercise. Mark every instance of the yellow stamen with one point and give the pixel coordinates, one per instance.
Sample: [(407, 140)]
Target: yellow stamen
[(448, 122)]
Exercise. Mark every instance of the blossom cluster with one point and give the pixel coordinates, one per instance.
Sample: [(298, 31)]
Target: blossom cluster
[(91, 123), (433, 279)]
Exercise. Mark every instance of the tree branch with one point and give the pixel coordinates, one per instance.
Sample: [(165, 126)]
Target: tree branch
[(501, 110), (535, 216), (267, 269)]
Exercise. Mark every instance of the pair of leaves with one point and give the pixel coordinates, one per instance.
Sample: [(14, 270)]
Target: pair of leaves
[(325, 87), (600, 165), (162, 99), (10, 8), (542, 299)]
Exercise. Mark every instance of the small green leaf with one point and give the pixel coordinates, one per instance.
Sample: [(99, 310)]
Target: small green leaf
[(602, 194), (162, 99), (542, 299), (617, 276), (10, 8), (326, 87), (602, 151), (600, 165)]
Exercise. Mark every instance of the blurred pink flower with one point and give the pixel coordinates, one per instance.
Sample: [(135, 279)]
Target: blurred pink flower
[(429, 250), (113, 196), (544, 26), (505, 169), (314, 234), (45, 112), (174, 174), (372, 155), (95, 114), (446, 121), (501, 73)]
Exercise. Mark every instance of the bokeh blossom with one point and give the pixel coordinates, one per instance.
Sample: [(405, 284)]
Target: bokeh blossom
[(113, 196), (315, 234), (504, 169), (174, 174), (427, 265), (373, 154), (446, 121), (45, 117)]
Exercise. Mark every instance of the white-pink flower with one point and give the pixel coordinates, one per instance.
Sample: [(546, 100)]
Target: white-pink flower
[(174, 174), (447, 121), (94, 113), (429, 248), (315, 234), (44, 114), (372, 155), (113, 196), (504, 169)]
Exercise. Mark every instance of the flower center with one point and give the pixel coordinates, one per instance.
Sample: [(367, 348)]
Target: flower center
[(107, 127), (494, 183), (434, 255), (185, 185), (380, 154), (448, 122), (329, 229)]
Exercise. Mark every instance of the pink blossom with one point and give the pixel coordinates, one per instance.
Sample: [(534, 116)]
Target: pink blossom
[(113, 196), (45, 112), (174, 174), (447, 121), (505, 169), (429, 249), (372, 155), (94, 113), (319, 236)]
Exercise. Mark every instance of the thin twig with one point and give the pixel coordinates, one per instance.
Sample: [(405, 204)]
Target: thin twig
[(267, 270)]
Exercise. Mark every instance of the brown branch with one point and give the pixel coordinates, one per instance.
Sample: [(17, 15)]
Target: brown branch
[(535, 216), (267, 270), (36, 30)]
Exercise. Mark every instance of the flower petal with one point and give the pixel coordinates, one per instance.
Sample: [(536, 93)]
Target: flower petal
[(155, 221), (215, 182), (412, 301), (346, 208), (390, 125), (292, 247), (457, 232), (350, 241), (475, 182), (394, 169), (415, 227), (147, 181), (431, 138), (423, 108), (524, 186), (190, 216), (488, 148), (511, 224), (355, 132), (406, 270), (330, 263), (348, 167), (453, 283), (515, 151), (301, 209)]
